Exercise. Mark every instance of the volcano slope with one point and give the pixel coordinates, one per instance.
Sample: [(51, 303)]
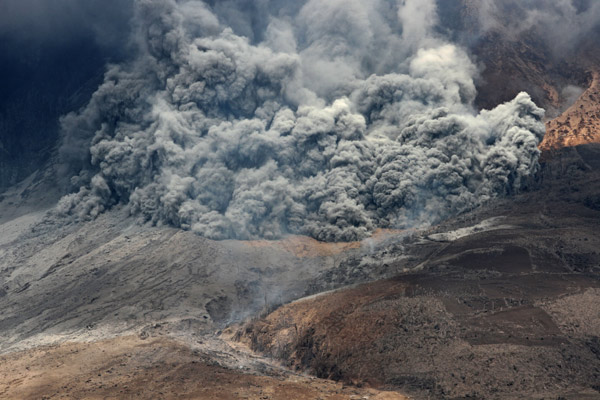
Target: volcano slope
[(113, 309), (159, 368), (499, 302), (507, 311)]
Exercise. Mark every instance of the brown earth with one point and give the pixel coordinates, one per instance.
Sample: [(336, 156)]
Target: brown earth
[(304, 246), (516, 61), (512, 66), (506, 330), (155, 368), (580, 124)]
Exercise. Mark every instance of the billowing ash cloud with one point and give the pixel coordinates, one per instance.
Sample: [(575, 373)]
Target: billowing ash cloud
[(321, 118)]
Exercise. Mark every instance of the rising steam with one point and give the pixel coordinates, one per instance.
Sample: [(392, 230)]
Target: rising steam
[(324, 118)]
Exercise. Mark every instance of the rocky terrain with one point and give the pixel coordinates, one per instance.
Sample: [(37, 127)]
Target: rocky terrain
[(579, 124), (563, 80), (525, 64), (156, 368)]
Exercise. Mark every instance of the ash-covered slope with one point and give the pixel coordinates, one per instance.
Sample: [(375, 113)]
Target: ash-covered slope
[(110, 276)]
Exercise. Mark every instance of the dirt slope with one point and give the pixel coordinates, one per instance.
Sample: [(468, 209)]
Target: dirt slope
[(157, 368), (491, 316)]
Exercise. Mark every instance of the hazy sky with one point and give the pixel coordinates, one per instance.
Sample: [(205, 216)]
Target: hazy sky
[(59, 20)]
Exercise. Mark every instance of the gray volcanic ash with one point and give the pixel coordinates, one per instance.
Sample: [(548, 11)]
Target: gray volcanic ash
[(334, 119)]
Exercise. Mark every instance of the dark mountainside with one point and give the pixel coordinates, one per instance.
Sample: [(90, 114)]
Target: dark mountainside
[(300, 200), (492, 314)]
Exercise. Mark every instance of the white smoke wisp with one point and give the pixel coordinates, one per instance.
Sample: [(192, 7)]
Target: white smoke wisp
[(334, 119)]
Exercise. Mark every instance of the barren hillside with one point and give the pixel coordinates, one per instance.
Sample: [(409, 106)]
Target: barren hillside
[(155, 368), (503, 308)]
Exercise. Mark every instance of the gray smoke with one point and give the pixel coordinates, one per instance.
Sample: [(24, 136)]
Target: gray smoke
[(328, 119), (561, 24)]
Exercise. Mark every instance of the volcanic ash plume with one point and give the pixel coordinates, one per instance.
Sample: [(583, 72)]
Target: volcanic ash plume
[(327, 119)]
